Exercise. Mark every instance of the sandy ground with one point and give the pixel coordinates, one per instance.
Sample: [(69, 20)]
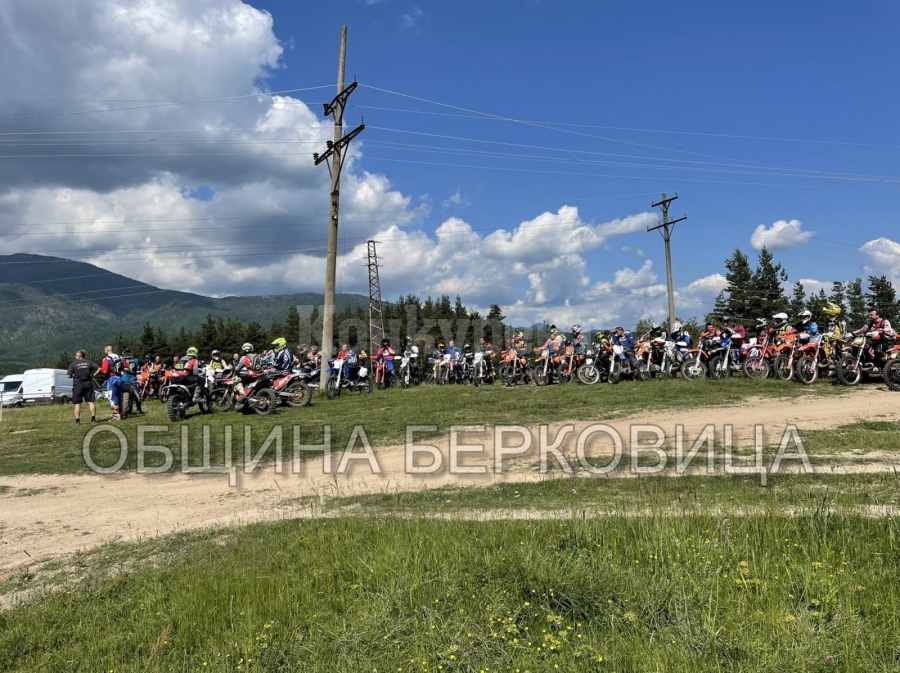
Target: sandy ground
[(52, 517)]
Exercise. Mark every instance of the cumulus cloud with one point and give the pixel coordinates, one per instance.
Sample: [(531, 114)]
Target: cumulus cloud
[(882, 257), (782, 235), (456, 199)]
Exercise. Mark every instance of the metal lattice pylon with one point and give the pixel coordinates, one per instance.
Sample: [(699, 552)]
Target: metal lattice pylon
[(376, 317)]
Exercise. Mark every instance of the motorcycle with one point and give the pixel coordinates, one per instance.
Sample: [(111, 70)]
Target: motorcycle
[(544, 367), (180, 398), (407, 373), (355, 378), (815, 357), (259, 395), (590, 371), (891, 370), (382, 374), (292, 390), (783, 364), (620, 365), (515, 368), (860, 359), (696, 360), (727, 358), (758, 354), (481, 371)]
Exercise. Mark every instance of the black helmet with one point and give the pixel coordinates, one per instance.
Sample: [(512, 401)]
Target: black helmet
[(127, 351), (385, 342), (466, 347)]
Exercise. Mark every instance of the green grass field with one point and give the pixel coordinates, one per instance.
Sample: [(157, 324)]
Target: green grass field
[(44, 440), (698, 593), (694, 573)]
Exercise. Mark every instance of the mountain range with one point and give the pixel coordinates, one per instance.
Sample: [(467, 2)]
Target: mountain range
[(49, 305)]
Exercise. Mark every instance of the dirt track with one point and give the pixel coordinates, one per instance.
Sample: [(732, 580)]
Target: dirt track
[(46, 517)]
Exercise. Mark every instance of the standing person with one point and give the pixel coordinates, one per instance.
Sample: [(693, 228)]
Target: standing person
[(111, 371), (82, 372), (130, 368)]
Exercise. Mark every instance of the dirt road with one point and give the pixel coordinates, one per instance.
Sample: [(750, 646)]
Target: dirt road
[(52, 517)]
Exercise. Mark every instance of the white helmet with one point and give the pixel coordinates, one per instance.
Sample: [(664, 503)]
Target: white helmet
[(655, 325), (247, 347), (805, 314), (780, 318), (677, 326)]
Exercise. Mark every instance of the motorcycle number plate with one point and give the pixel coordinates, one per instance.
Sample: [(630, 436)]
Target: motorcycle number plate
[(589, 361)]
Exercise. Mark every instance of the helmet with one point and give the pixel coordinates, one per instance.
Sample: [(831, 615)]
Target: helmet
[(440, 344), (192, 351), (520, 334), (385, 342), (780, 318), (676, 326), (280, 343), (127, 351), (576, 329), (247, 348), (805, 314), (467, 347), (148, 357), (655, 325), (553, 329), (407, 340), (831, 309), (215, 353)]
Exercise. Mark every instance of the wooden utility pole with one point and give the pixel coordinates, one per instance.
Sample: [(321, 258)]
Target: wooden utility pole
[(335, 151), (665, 228)]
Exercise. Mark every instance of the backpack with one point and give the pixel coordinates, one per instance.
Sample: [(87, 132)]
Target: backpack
[(129, 365), (115, 364)]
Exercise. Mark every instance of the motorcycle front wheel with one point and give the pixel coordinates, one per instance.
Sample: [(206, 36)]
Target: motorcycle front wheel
[(807, 370), (757, 367), (541, 377), (891, 374), (332, 389), (588, 374), (718, 369), (300, 394), (783, 368), (693, 370), (266, 401), (222, 399), (849, 371)]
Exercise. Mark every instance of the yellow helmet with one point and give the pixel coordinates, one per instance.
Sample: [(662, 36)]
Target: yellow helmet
[(280, 343), (831, 309), (192, 351)]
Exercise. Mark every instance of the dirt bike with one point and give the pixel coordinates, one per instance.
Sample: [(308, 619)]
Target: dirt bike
[(891, 370), (481, 372), (292, 390), (180, 398), (515, 368), (407, 374), (356, 378), (567, 364), (758, 355), (816, 357), (783, 364), (545, 367), (164, 385), (727, 358), (860, 359), (620, 366), (696, 360), (382, 374), (590, 372), (258, 395)]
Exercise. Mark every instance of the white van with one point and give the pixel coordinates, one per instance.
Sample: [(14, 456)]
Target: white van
[(11, 390), (43, 386)]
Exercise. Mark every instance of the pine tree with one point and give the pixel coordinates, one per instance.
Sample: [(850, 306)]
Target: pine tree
[(147, 344), (856, 304), (817, 302), (768, 293), (735, 301), (63, 361), (292, 324), (798, 300), (256, 335), (207, 337), (881, 295)]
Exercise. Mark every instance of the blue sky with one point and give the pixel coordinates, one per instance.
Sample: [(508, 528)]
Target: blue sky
[(811, 88)]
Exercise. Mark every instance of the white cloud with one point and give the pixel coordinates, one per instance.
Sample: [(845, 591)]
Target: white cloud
[(412, 18), (882, 258), (782, 235), (457, 199), (812, 286)]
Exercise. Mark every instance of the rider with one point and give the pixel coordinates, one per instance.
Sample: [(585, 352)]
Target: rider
[(736, 330), (679, 334), (835, 329), (883, 331), (486, 348), (577, 339), (130, 368), (111, 370), (411, 351), (656, 331), (711, 331), (187, 371), (624, 339), (780, 325), (807, 325), (455, 354), (217, 364), (387, 353), (284, 359), (244, 369)]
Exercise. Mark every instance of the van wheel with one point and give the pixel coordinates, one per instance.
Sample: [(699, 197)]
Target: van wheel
[(63, 400), (18, 405)]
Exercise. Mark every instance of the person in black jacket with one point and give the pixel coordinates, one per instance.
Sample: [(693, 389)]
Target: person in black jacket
[(82, 372)]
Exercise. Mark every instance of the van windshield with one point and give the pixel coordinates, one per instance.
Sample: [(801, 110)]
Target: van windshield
[(9, 386)]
